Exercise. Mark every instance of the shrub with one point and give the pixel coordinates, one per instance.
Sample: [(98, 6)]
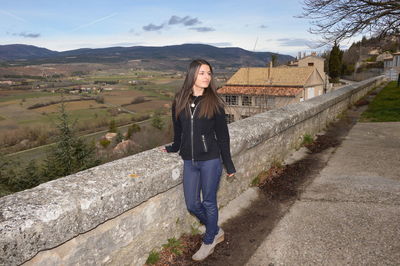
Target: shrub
[(99, 99), (104, 143), (119, 137), (139, 99), (134, 128), (113, 111)]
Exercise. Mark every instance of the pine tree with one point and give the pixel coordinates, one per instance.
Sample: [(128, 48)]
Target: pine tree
[(7, 175), (70, 154), (335, 63), (112, 127), (29, 177)]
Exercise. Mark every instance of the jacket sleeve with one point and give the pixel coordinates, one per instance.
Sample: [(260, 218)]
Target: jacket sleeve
[(222, 133), (177, 133)]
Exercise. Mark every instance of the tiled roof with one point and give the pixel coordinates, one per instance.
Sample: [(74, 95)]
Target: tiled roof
[(276, 76), (260, 90)]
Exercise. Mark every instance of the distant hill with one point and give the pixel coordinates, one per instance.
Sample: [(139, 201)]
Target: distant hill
[(165, 57), (22, 51)]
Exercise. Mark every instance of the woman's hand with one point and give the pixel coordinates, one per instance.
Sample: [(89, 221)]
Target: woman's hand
[(163, 149), (230, 175)]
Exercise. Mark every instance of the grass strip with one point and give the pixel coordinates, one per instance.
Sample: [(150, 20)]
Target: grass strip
[(385, 107)]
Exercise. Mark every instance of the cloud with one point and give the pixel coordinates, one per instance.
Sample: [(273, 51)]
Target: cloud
[(152, 27), (175, 20), (25, 35), (186, 21), (263, 26), (202, 29), (294, 42), (29, 35)]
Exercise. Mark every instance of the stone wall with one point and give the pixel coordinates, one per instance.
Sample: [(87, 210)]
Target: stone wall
[(116, 213)]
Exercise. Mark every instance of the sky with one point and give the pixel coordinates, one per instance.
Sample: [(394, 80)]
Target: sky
[(254, 25)]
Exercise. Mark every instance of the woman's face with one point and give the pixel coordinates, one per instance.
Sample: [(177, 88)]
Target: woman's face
[(203, 78)]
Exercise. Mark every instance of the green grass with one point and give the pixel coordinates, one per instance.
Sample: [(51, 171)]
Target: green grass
[(153, 258), (307, 139), (385, 107), (194, 228), (255, 181), (79, 115), (175, 245), (25, 96)]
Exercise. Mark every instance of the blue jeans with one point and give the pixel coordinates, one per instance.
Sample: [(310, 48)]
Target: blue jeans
[(203, 176)]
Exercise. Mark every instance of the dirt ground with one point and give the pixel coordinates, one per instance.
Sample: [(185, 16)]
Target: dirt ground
[(244, 233)]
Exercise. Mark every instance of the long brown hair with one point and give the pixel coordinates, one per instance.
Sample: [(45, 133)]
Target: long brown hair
[(210, 103)]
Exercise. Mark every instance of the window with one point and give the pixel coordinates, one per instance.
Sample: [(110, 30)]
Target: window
[(246, 100), (229, 118), (231, 99), (310, 64), (244, 116), (261, 101), (310, 93)]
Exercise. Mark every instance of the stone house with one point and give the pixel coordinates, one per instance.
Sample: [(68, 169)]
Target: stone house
[(254, 90), (391, 66), (316, 61)]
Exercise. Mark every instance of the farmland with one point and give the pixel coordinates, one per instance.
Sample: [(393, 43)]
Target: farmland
[(95, 95)]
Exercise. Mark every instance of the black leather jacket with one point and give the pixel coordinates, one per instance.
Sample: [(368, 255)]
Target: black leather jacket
[(201, 139)]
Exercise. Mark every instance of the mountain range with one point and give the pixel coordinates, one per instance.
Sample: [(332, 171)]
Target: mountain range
[(164, 57)]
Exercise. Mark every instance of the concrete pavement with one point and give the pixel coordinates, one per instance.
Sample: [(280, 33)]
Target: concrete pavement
[(349, 214)]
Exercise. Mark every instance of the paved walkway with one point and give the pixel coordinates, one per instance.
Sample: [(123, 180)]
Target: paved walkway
[(350, 214)]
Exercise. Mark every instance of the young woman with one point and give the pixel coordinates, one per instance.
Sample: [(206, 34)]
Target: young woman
[(201, 136)]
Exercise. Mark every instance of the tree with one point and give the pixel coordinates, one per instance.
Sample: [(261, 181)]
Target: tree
[(134, 128), (29, 177), (112, 128), (7, 175), (337, 20), (157, 122), (274, 60), (335, 63), (70, 154), (119, 137)]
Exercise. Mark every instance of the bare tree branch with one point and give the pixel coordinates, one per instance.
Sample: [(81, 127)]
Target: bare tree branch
[(336, 20)]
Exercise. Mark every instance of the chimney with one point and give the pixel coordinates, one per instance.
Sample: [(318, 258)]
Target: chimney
[(304, 54), (314, 53), (299, 56)]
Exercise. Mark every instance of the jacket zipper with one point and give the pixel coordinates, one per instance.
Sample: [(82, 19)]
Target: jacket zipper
[(204, 143), (191, 129)]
